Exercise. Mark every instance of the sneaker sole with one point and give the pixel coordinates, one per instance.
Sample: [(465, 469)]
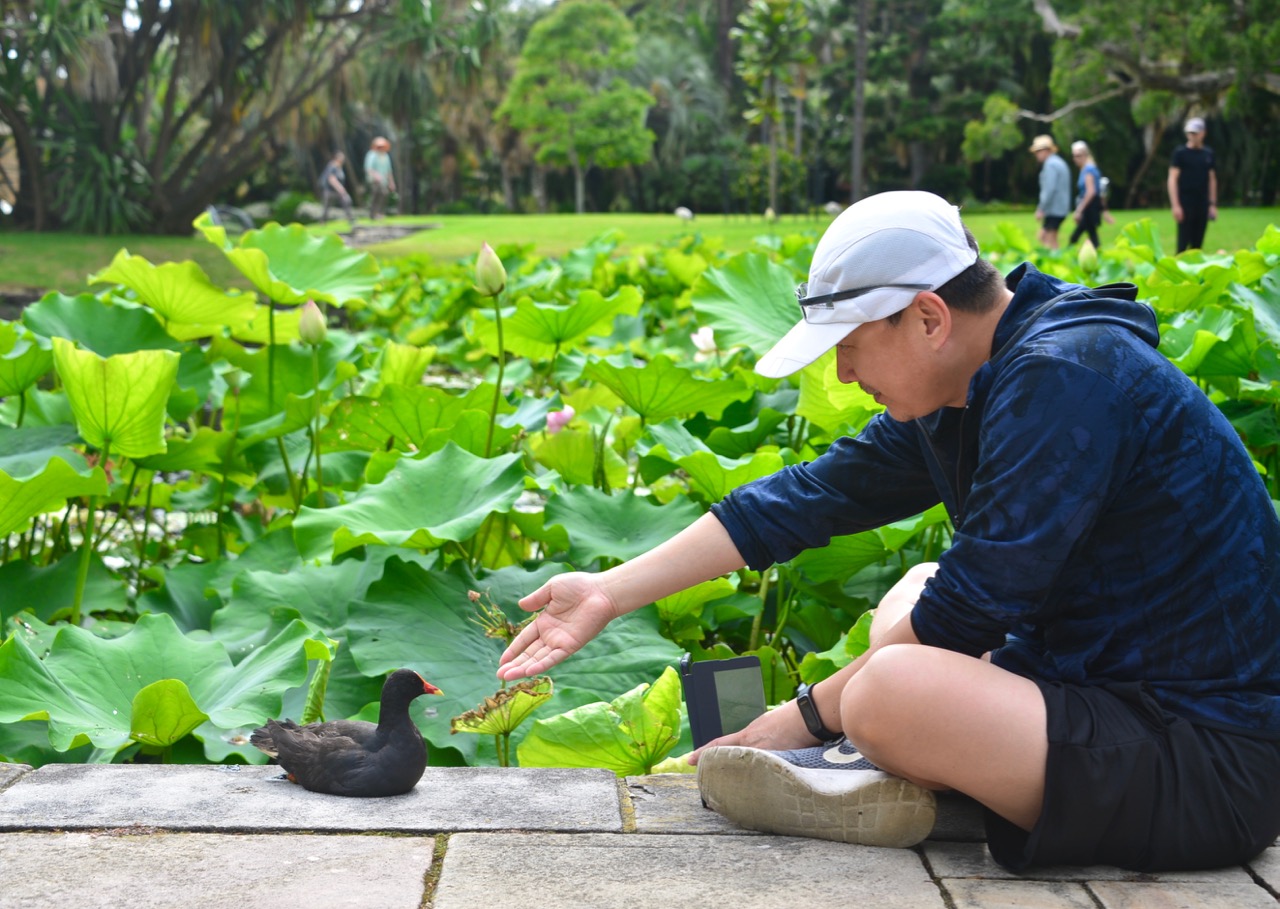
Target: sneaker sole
[(760, 791)]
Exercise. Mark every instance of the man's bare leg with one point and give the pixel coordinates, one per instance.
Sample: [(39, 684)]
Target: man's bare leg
[(945, 720)]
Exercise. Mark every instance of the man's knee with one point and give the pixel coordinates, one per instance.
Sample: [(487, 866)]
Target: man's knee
[(894, 678)]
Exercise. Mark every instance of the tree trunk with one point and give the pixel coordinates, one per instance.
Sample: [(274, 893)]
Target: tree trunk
[(856, 181), (540, 188), (1151, 134)]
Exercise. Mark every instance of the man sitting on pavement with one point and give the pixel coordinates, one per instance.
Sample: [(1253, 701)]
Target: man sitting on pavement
[(1096, 657)]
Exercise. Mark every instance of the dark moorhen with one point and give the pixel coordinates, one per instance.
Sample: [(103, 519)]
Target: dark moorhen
[(354, 757)]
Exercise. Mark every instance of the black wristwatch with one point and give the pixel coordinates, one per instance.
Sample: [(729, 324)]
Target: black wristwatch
[(809, 711)]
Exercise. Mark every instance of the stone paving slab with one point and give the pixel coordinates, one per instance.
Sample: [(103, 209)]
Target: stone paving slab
[(973, 860), (1020, 895), (1126, 895), (237, 797), (9, 773), (670, 803), (602, 871), (212, 871), (1267, 867)]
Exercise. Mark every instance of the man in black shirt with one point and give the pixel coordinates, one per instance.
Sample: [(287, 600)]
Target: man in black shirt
[(1193, 187)]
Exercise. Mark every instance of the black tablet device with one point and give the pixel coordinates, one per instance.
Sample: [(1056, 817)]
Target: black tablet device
[(722, 696)]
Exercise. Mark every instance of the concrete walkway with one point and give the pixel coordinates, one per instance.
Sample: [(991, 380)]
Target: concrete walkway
[(221, 836)]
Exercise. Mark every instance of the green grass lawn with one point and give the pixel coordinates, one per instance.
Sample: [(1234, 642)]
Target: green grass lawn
[(64, 261)]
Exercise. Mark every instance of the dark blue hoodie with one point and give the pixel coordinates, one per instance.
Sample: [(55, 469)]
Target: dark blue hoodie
[(1109, 525)]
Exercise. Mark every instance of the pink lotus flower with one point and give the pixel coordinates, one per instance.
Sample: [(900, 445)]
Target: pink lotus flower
[(559, 419)]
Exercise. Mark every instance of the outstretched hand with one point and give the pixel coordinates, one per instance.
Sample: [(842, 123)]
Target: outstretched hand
[(574, 610)]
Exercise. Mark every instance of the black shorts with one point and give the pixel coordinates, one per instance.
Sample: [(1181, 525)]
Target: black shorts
[(1129, 784), (1053, 222)]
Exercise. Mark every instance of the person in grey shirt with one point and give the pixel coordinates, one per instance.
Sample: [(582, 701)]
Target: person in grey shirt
[(1055, 190)]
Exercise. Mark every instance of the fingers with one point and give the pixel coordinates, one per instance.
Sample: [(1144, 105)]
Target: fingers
[(517, 651)]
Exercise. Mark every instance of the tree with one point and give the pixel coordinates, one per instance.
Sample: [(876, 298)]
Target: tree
[(137, 114), (569, 99), (989, 138), (774, 41)]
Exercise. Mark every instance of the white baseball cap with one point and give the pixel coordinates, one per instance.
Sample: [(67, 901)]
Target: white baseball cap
[(872, 261)]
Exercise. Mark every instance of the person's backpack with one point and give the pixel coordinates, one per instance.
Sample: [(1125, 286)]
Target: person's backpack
[(1104, 187)]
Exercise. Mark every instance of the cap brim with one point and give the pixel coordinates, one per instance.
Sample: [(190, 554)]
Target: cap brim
[(801, 346)]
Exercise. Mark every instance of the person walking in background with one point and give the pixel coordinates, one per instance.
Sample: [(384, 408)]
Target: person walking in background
[(1088, 211), (378, 176), (1055, 190), (1193, 187), (332, 186)]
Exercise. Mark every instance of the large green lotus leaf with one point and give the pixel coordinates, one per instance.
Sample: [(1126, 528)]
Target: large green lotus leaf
[(572, 454), (425, 620), (119, 402), (1190, 337), (711, 475), (291, 264), (842, 558), (267, 327), (21, 500), (24, 358), (502, 712), (321, 594), (162, 713), (537, 331), (830, 403), (177, 291), (661, 389), (750, 301), (25, 451), (628, 736), (49, 590), (401, 417), (94, 325), (403, 364), (187, 596), (620, 526), (87, 685), (204, 452), (420, 504)]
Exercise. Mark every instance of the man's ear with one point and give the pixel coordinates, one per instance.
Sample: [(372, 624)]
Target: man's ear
[(933, 316)]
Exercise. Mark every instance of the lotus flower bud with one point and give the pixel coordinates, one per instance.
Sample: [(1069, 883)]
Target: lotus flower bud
[(558, 419), (704, 339), (769, 214), (491, 277), (311, 325), (1088, 258)]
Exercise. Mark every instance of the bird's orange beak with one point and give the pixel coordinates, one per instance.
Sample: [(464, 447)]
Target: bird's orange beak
[(429, 688)]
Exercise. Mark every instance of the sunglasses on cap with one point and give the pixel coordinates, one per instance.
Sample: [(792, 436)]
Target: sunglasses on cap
[(822, 309)]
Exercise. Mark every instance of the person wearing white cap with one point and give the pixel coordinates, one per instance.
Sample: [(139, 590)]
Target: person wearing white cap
[(1096, 656), (1193, 187)]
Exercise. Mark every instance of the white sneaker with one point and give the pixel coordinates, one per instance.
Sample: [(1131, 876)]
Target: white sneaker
[(762, 790)]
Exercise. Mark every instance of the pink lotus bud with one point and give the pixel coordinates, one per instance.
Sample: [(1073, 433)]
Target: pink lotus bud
[(558, 419), (491, 277), (311, 325)]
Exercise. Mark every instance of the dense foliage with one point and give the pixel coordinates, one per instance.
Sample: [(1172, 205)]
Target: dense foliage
[(216, 508)]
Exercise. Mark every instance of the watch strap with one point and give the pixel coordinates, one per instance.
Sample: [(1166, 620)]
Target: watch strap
[(809, 713)]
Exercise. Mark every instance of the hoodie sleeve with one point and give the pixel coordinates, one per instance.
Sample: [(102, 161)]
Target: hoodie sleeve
[(857, 484), (1057, 443)]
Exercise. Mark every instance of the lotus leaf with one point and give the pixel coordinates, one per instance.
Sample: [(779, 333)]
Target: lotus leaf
[(661, 389), (537, 331), (87, 685), (628, 736), (24, 358), (118, 401), (291, 264), (420, 504), (178, 292), (106, 330), (750, 302), (620, 526)]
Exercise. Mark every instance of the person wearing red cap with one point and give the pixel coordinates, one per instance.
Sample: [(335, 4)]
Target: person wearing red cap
[(1193, 187), (1095, 658), (378, 176)]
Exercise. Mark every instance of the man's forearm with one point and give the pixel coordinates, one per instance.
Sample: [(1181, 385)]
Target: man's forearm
[(700, 552)]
